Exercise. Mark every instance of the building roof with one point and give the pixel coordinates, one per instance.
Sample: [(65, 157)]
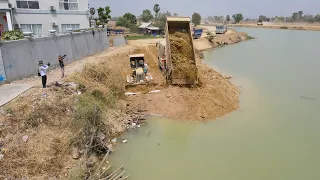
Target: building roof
[(153, 28), (111, 24), (145, 25)]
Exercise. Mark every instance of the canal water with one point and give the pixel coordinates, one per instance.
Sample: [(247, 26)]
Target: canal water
[(274, 135)]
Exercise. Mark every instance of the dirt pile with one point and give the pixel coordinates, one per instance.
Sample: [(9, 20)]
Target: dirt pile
[(213, 97), (182, 55)]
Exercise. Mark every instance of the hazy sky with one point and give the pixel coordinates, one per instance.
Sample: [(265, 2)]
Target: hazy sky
[(249, 8)]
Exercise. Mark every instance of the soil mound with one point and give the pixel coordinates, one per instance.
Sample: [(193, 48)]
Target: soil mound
[(182, 55)]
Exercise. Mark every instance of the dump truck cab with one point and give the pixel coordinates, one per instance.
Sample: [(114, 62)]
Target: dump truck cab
[(220, 30), (197, 33)]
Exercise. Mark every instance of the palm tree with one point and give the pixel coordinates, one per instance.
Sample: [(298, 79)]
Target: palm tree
[(156, 9)]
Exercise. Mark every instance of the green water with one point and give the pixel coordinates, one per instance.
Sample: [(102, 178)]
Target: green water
[(274, 135)]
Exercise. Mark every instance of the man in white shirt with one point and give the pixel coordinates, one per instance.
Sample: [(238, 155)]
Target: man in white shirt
[(43, 73)]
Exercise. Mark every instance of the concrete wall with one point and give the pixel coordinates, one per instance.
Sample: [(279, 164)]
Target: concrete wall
[(20, 58), (2, 71)]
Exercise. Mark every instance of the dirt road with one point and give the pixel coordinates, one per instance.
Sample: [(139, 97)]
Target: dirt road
[(76, 66)]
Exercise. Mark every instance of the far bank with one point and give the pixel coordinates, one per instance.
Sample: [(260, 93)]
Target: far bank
[(287, 26)]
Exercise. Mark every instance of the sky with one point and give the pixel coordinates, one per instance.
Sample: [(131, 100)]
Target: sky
[(249, 8)]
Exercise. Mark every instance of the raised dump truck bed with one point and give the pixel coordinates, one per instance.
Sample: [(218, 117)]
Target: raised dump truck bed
[(180, 55)]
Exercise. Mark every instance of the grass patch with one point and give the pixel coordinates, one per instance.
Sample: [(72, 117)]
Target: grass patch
[(284, 27), (141, 37)]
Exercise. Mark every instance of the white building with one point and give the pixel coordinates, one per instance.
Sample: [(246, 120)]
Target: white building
[(40, 16)]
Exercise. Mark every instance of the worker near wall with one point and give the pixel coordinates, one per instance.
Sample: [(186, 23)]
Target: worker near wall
[(61, 64), (43, 73)]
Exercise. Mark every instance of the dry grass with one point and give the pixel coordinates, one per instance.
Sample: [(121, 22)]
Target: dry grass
[(43, 120)]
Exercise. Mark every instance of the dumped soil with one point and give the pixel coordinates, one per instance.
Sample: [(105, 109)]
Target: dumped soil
[(182, 56), (213, 97)]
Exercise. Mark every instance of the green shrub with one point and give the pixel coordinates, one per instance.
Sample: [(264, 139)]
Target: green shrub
[(12, 35)]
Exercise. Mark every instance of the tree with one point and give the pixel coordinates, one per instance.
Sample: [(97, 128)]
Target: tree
[(114, 18), (309, 18), (130, 17), (237, 17), (175, 14), (295, 16), (196, 19), (161, 20), (262, 18), (104, 15), (122, 21), (210, 18), (300, 14), (228, 18), (317, 18), (156, 9), (146, 16)]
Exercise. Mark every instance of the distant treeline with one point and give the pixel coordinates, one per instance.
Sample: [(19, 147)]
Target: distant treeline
[(296, 17)]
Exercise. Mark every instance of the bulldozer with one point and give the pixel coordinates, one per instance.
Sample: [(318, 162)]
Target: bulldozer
[(137, 66)]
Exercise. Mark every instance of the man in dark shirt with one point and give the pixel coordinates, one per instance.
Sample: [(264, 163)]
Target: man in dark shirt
[(61, 63)]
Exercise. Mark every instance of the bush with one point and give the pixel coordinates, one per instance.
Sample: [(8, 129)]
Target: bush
[(12, 35), (250, 37), (283, 27), (87, 124), (210, 36)]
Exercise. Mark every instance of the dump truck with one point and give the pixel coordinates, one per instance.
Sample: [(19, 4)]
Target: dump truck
[(221, 29), (178, 60), (197, 33)]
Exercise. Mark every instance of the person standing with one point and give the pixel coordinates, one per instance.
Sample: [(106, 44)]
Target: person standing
[(61, 63), (43, 73), (145, 68)]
